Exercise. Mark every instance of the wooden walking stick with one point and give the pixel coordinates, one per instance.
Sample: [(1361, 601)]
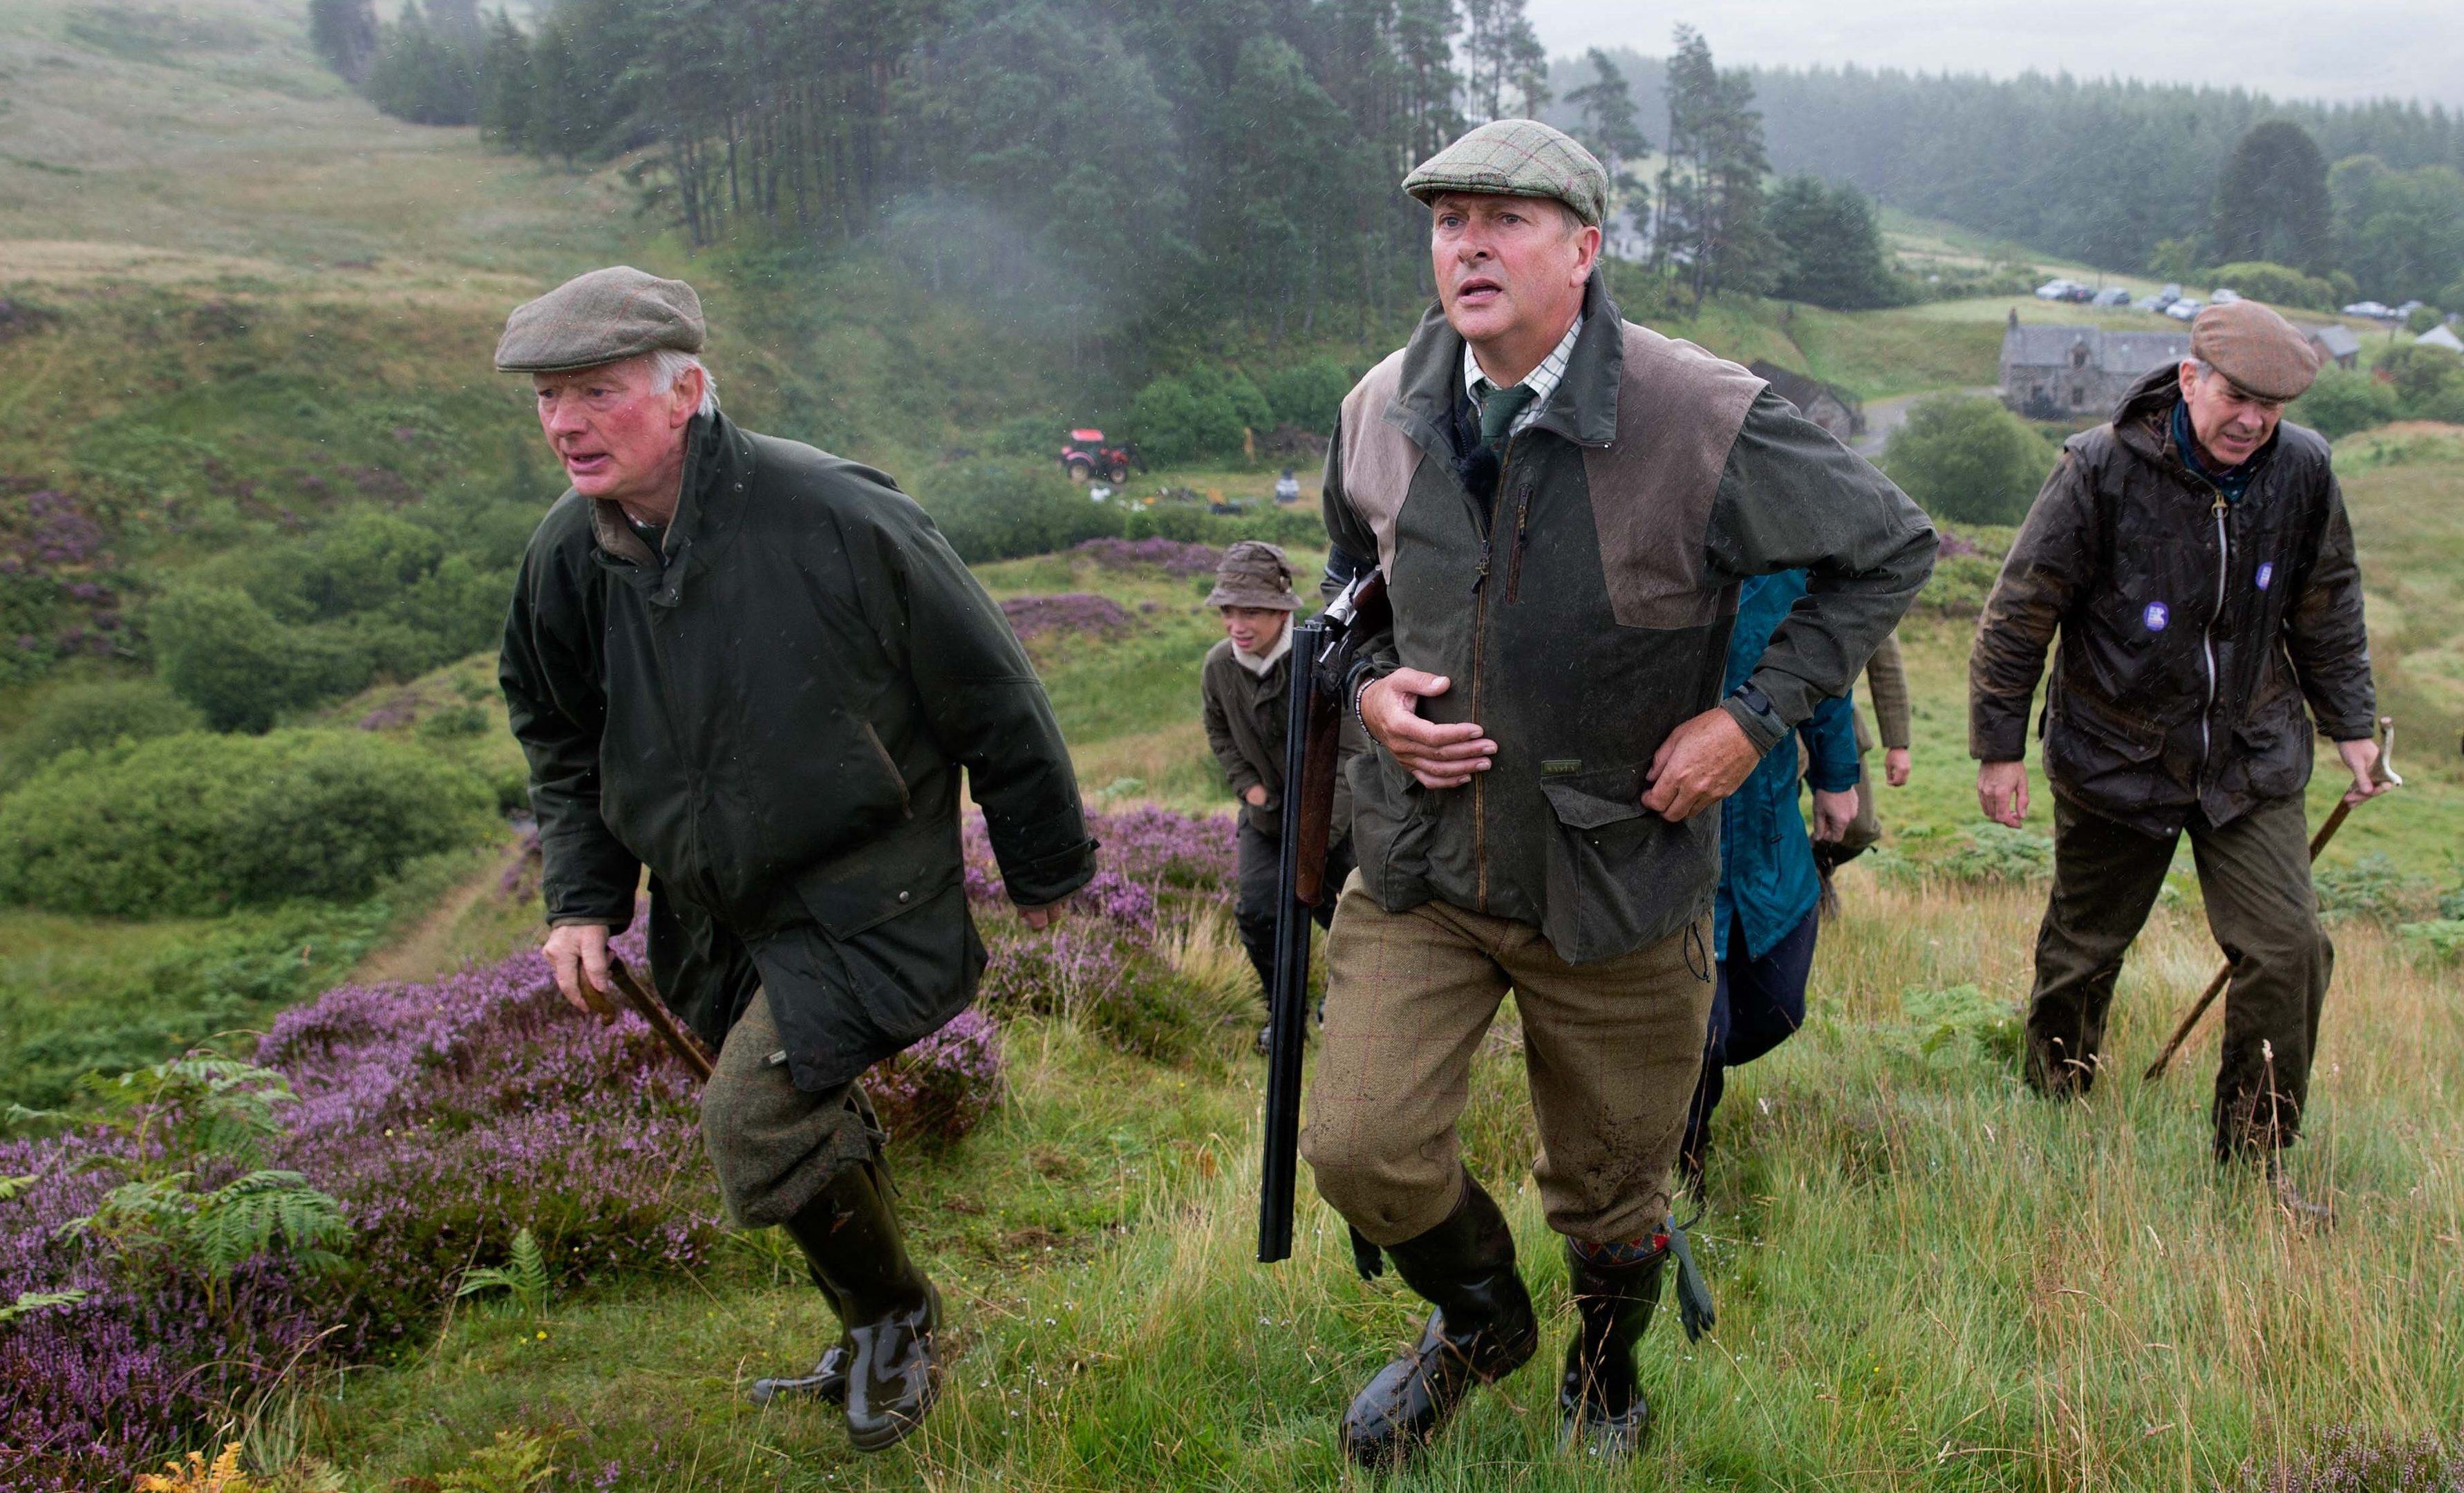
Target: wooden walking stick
[(637, 994), (2383, 773)]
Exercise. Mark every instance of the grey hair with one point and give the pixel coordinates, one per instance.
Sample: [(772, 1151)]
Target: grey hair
[(667, 365)]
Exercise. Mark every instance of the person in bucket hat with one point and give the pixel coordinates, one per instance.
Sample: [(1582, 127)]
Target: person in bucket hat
[(1244, 686)]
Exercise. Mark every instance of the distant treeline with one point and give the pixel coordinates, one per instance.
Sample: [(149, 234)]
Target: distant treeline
[(2124, 175), (1114, 163)]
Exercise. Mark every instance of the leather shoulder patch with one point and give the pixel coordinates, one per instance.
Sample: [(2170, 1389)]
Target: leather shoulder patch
[(1679, 411), (1378, 460)]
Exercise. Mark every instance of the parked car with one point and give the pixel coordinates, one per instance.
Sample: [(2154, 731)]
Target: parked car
[(2148, 303), (2183, 310), (2224, 296), (2062, 290), (2372, 308), (2111, 295)]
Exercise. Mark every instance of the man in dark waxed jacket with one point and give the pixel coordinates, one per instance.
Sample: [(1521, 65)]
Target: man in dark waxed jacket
[(759, 671), (2195, 558)]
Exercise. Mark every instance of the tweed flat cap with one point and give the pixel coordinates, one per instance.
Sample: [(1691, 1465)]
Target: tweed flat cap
[(605, 315), (2254, 347), (1254, 572), (1517, 158)]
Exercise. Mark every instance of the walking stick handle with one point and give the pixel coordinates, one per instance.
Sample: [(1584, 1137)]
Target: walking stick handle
[(2384, 771)]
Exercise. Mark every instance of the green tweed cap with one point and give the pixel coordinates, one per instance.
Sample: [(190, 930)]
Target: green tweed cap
[(603, 317), (1517, 158)]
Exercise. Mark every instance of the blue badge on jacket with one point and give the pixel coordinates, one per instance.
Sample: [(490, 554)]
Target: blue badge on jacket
[(2266, 573), (2158, 614)]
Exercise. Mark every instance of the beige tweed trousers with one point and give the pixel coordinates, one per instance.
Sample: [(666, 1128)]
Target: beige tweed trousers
[(1610, 1049)]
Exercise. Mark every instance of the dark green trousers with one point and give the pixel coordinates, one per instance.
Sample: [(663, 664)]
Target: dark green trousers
[(2254, 876)]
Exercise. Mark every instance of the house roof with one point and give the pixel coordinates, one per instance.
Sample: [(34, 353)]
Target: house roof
[(2336, 339), (2108, 352), (2440, 336), (1796, 387)]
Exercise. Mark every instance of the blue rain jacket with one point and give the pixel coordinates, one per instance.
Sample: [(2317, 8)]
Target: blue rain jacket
[(1767, 877)]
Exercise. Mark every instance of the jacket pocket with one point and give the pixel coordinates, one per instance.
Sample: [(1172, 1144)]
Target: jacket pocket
[(2275, 746), (912, 972), (1619, 876)]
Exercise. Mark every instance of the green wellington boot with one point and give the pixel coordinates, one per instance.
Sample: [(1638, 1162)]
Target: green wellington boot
[(851, 1236), (828, 1379), (1597, 1394), (1482, 1331)]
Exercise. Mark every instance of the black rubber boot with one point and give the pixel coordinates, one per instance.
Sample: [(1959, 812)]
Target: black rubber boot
[(851, 1234), (829, 1380), (1482, 1332), (1605, 1414)]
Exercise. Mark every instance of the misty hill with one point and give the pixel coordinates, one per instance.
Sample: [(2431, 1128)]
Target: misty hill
[(2099, 170)]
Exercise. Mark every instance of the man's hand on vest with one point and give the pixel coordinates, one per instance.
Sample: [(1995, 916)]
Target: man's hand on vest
[(1702, 762), (575, 952), (2002, 792), (1440, 756)]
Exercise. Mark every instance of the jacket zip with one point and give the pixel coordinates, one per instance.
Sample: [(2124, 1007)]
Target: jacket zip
[(1479, 639), (1514, 546), (692, 778), (2207, 640)]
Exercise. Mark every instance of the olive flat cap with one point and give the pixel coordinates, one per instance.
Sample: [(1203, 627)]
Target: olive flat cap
[(2254, 347), (1517, 158), (605, 315), (1254, 572)]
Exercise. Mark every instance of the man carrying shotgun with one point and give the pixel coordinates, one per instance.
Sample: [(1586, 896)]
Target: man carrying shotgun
[(2195, 559), (759, 669), (1562, 504)]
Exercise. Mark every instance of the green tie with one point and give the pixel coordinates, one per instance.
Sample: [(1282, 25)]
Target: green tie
[(1497, 412)]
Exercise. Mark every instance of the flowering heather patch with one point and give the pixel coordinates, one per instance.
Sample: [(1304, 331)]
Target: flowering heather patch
[(1172, 557), (57, 590), (445, 1116), (91, 1390), (944, 1085), (2356, 1460), (1952, 546), (1070, 611)]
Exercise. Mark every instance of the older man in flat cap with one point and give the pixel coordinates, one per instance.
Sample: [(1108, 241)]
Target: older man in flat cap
[(759, 671), (2195, 559), (1564, 504)]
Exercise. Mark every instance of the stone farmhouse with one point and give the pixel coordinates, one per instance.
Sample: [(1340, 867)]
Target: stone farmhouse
[(2079, 372), (1832, 409)]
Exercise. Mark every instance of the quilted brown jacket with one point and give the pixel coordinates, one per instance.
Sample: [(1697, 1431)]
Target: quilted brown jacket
[(1587, 613)]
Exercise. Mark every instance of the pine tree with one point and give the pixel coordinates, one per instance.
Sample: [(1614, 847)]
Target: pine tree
[(2272, 200)]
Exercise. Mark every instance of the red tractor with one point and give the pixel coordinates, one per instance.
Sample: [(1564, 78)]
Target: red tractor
[(1087, 456)]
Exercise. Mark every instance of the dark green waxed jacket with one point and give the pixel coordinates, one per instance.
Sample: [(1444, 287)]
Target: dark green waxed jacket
[(2192, 629), (772, 716), (1588, 615)]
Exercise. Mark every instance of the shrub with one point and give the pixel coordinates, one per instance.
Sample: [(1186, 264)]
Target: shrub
[(1202, 413), (227, 655), (193, 824), (2343, 401), (1965, 458), (2428, 381), (2276, 285), (95, 716), (1068, 612), (1001, 510), (2373, 890), (1999, 853), (1309, 396)]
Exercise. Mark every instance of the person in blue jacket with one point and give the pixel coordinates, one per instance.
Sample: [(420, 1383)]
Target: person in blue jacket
[(1764, 915)]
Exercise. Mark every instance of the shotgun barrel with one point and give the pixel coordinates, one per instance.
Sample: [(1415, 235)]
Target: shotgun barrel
[(1323, 652)]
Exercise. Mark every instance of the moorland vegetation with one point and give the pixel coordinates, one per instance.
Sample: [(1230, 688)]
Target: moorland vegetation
[(261, 957)]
